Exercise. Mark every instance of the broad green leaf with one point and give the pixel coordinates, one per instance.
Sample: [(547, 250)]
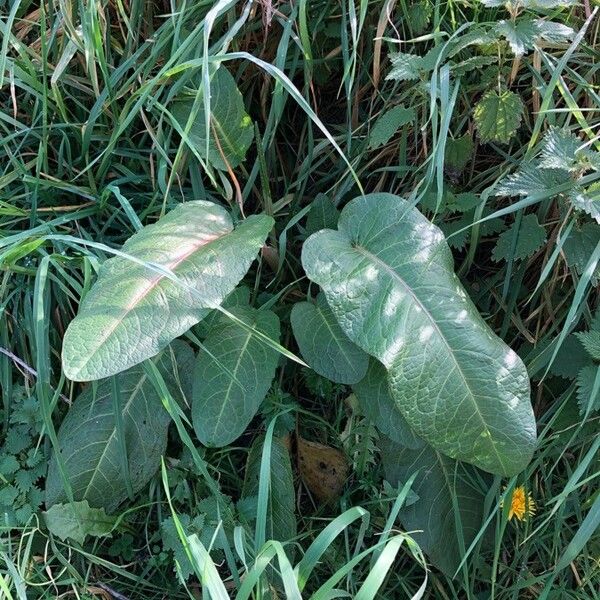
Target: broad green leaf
[(440, 531), (281, 520), (233, 374), (239, 297), (323, 344), (387, 273), (322, 214), (530, 237), (231, 128), (388, 124), (89, 441), (376, 401), (498, 116), (78, 520), (133, 311)]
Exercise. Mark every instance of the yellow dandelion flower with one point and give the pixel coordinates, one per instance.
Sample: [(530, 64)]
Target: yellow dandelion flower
[(522, 504)]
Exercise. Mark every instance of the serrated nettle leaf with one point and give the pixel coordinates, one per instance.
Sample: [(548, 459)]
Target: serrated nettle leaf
[(233, 374), (498, 116), (281, 518), (591, 342), (405, 67), (587, 398), (133, 310), (388, 124), (387, 273), (521, 35), (559, 150), (580, 244), (587, 200), (89, 434), (376, 402), (440, 483), (323, 344), (521, 240), (323, 214), (231, 128), (531, 179), (77, 520)]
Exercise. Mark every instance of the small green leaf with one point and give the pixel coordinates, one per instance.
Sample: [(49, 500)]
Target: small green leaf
[(232, 131), (133, 311), (443, 486), (530, 237), (405, 67), (559, 150), (498, 116), (323, 344), (375, 400), (587, 200), (591, 342), (233, 374), (585, 388), (76, 521), (458, 152), (388, 124), (531, 179), (580, 244), (520, 35)]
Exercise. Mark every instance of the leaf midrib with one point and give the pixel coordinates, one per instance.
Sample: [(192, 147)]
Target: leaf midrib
[(132, 305), (394, 274)]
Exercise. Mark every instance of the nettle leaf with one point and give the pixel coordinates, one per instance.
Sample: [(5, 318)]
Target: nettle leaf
[(133, 311), (531, 179), (559, 150), (498, 116), (78, 520), (323, 344), (553, 32), (376, 401), (388, 124), (405, 67), (521, 35), (441, 485), (587, 200), (387, 273), (233, 374), (585, 389), (323, 214), (530, 237), (231, 128), (591, 342), (580, 244), (458, 152), (89, 440), (281, 518)]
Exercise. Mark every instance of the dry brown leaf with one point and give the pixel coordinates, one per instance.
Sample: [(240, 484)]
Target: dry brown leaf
[(323, 469)]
